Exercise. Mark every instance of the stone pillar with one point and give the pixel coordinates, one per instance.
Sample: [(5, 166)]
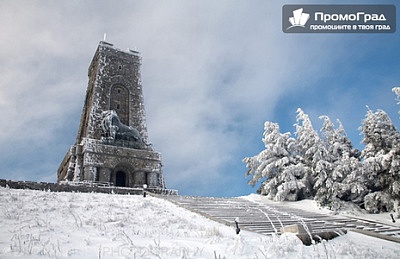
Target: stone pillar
[(78, 174), (89, 173), (105, 175), (152, 179), (140, 179)]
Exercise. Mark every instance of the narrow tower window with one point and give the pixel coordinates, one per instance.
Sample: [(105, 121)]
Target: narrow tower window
[(119, 102)]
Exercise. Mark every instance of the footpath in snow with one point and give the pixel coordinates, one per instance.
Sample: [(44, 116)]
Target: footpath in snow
[(38, 224)]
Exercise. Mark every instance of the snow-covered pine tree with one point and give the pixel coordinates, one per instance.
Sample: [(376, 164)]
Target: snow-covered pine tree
[(325, 192), (310, 149), (396, 90), (339, 178), (381, 160), (325, 185), (353, 186), (395, 188), (277, 166), (348, 168)]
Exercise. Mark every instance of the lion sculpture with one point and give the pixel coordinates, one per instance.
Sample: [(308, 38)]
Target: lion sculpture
[(114, 129)]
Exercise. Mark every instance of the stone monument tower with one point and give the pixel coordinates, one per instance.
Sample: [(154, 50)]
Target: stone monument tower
[(112, 143)]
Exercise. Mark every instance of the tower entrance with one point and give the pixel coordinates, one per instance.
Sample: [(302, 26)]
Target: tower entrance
[(120, 179)]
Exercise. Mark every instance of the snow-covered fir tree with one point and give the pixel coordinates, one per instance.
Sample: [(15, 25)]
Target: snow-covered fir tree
[(308, 141), (324, 184), (396, 90), (395, 188), (310, 149), (338, 175), (281, 172), (381, 161)]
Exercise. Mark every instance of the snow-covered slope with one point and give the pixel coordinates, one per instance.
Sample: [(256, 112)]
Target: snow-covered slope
[(37, 224)]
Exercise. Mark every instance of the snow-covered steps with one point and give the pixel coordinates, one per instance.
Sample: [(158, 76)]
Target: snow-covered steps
[(269, 218)]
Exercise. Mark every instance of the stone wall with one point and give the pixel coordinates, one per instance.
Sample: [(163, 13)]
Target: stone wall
[(84, 187)]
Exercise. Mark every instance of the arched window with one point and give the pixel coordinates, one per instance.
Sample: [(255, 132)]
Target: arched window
[(119, 102)]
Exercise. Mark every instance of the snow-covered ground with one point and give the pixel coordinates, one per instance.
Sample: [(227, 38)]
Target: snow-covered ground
[(37, 224)]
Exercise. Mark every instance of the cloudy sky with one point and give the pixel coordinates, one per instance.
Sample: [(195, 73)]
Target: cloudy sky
[(213, 72)]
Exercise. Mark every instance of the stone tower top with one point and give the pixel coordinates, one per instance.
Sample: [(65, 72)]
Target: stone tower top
[(114, 84)]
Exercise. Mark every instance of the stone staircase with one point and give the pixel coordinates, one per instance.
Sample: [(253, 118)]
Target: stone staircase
[(268, 219)]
